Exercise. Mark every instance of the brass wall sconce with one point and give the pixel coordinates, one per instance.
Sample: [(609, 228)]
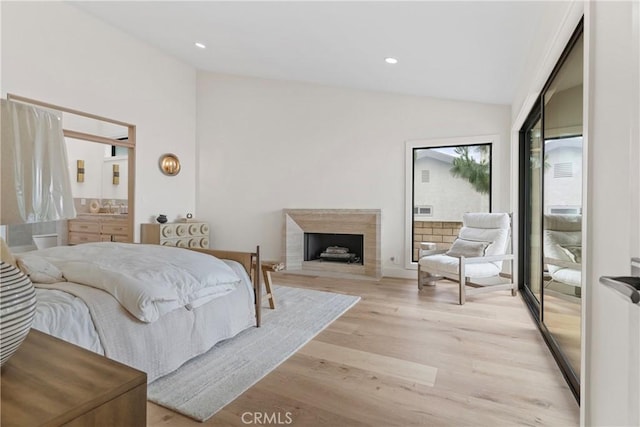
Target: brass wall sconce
[(80, 171), (169, 164), (116, 174)]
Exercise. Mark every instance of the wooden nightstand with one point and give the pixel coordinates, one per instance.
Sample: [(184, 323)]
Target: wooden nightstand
[(51, 382)]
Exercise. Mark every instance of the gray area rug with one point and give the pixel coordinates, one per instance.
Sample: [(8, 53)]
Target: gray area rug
[(204, 385)]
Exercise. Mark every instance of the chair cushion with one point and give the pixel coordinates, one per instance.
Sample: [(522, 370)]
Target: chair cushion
[(573, 252), (568, 276), (468, 248), (486, 220), (563, 222), (444, 264), (488, 227)]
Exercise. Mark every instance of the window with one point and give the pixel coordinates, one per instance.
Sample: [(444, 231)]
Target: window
[(445, 179)]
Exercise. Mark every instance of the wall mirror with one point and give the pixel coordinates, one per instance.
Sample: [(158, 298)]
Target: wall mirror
[(99, 161), (551, 233), (101, 164)]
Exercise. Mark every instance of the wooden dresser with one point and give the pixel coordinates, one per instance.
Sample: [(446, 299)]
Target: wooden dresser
[(181, 234), (99, 228), (51, 382)]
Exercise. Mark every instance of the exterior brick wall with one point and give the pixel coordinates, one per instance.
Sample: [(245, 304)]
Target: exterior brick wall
[(441, 233)]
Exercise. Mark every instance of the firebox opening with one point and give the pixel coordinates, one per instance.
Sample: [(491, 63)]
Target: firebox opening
[(332, 247)]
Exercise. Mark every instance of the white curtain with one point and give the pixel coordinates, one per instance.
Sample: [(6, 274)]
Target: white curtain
[(35, 178)]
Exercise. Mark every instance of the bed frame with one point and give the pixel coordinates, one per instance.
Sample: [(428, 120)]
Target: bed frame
[(251, 262)]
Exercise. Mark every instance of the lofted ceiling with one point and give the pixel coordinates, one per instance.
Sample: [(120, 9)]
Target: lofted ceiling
[(473, 51)]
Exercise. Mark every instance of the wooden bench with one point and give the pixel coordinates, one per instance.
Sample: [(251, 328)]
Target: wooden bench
[(269, 267)]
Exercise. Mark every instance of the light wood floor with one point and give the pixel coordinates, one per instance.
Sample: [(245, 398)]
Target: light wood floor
[(403, 358)]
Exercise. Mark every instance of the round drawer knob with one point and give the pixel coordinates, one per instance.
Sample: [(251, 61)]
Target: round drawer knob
[(193, 243), (166, 243), (181, 230), (182, 244), (204, 242), (167, 231), (204, 229), (194, 229)]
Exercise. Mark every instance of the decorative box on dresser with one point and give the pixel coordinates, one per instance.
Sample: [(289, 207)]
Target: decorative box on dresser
[(99, 228), (181, 234), (51, 382)]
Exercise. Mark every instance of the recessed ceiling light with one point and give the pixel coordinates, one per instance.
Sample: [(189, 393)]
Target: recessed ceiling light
[(391, 60), (200, 45)]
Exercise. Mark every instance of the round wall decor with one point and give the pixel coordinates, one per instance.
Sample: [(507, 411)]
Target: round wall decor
[(169, 164)]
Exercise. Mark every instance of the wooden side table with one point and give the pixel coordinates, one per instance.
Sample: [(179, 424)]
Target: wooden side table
[(269, 267), (51, 382)]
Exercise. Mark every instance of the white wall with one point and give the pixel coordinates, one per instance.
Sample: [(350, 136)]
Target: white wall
[(613, 367), (93, 156), (79, 62), (547, 45), (266, 145)]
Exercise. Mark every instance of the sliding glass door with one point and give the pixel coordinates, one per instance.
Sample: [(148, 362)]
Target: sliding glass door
[(551, 235), (533, 164)]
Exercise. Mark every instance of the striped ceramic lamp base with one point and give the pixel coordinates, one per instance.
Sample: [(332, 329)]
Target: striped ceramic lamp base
[(17, 308)]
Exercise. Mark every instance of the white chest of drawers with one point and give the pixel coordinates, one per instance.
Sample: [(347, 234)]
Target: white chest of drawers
[(180, 234)]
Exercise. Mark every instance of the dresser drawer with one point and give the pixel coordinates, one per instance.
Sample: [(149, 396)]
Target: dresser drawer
[(76, 238), (180, 234), (84, 226), (119, 228)]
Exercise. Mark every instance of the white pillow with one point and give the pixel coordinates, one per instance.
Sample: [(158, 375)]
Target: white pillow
[(468, 248), (573, 252), (39, 270)]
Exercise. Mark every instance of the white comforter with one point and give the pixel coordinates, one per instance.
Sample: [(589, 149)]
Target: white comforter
[(147, 280), (158, 348)]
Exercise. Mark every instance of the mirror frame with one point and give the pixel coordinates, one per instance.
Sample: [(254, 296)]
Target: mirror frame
[(129, 143)]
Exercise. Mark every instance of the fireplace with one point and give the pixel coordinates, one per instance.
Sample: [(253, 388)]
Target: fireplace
[(334, 247), (300, 224)]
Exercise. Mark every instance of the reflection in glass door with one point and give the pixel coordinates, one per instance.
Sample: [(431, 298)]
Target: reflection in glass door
[(562, 206), (533, 178), (551, 210)]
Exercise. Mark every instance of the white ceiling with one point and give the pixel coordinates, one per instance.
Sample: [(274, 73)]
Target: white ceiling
[(472, 51)]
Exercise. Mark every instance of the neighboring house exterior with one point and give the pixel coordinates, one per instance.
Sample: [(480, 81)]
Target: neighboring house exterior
[(563, 176), (448, 197)]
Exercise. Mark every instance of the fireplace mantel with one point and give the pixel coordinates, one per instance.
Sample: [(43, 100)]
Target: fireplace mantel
[(339, 221)]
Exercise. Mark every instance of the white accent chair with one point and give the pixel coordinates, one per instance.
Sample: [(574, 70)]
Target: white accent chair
[(563, 250), (475, 258)]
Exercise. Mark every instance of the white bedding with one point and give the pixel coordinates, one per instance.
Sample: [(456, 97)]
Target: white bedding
[(157, 348), (67, 317), (130, 273)]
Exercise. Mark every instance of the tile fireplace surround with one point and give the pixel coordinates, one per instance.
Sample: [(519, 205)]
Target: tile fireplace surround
[(340, 221)]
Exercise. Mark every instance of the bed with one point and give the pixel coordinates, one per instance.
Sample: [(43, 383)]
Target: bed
[(148, 306)]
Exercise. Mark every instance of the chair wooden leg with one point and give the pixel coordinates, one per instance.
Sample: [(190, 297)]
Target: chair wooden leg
[(419, 278), (514, 292)]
